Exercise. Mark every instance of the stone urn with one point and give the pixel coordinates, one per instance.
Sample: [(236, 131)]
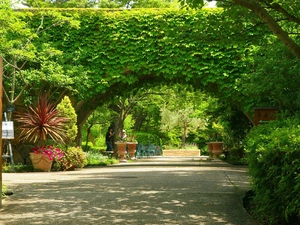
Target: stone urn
[(121, 151), (131, 148), (217, 148), (210, 149)]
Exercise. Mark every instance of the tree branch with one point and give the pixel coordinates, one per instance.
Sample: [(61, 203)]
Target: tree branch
[(272, 24)]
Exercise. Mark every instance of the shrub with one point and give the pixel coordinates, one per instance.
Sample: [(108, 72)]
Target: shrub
[(274, 164), (96, 158), (65, 109), (74, 158)]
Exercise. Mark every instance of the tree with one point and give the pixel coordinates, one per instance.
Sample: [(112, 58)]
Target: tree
[(281, 16), (274, 79), (29, 67), (183, 112), (123, 105)]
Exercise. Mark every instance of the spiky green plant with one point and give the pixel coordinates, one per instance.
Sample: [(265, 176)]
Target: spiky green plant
[(41, 122)]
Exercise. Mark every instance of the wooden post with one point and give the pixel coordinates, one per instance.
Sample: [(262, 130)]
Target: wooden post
[(1, 74)]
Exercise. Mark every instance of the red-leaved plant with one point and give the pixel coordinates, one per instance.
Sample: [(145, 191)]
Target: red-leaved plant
[(41, 122)]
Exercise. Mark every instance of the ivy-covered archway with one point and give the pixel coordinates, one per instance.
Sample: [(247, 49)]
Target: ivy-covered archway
[(119, 49)]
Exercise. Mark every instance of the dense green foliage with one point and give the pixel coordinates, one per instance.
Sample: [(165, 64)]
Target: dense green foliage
[(147, 138), (125, 47), (274, 165)]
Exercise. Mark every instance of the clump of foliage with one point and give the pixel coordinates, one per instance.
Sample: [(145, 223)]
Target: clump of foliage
[(274, 165)]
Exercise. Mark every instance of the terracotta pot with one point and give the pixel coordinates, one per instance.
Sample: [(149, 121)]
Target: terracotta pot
[(209, 149), (121, 151), (131, 148), (40, 162), (217, 148)]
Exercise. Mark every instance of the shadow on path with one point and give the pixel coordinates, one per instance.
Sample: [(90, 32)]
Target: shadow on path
[(140, 194)]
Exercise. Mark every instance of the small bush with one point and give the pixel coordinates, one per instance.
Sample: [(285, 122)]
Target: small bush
[(274, 165)]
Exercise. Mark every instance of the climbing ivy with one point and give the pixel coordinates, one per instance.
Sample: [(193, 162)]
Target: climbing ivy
[(123, 47)]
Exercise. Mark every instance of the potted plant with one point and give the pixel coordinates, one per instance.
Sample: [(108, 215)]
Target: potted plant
[(121, 146), (39, 123), (42, 157), (215, 145), (209, 149), (121, 150), (131, 147)]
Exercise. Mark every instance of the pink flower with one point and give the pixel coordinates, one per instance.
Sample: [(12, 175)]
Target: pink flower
[(49, 151)]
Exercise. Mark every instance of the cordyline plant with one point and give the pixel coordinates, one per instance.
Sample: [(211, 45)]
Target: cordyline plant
[(42, 122)]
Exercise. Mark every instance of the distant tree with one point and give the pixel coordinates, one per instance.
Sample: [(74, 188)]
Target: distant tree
[(183, 112)]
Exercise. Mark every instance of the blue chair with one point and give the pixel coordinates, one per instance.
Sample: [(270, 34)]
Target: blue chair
[(140, 151), (150, 150)]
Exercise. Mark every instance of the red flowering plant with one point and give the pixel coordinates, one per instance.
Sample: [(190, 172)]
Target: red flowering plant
[(49, 151)]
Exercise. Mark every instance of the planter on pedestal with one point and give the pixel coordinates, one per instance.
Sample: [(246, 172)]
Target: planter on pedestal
[(40, 162), (209, 149), (217, 148), (131, 148), (121, 151)]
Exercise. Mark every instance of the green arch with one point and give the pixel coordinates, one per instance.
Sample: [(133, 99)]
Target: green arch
[(122, 48)]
